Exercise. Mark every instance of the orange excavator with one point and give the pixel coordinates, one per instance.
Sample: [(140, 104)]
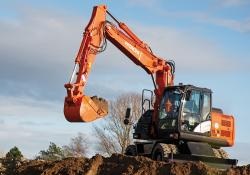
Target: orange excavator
[(179, 122)]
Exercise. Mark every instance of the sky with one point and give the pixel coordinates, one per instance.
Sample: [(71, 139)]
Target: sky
[(208, 40)]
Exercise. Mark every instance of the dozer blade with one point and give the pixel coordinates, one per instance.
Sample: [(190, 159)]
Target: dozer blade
[(85, 109)]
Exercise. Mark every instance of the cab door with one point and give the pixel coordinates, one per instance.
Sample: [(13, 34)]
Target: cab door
[(196, 115), (169, 112), (191, 112)]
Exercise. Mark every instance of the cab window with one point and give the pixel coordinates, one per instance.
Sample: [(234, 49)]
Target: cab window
[(169, 109), (206, 107), (170, 104), (192, 105), (191, 110)]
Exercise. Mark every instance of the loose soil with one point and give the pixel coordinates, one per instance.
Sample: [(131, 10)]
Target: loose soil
[(119, 164)]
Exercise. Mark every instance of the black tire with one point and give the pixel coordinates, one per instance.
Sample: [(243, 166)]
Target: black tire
[(161, 152), (131, 150)]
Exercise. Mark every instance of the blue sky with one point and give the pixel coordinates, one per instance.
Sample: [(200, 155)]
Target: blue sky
[(208, 40)]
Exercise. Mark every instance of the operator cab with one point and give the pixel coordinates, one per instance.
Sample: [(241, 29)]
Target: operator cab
[(185, 108)]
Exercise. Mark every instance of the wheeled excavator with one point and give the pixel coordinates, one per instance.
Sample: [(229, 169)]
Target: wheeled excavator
[(178, 122)]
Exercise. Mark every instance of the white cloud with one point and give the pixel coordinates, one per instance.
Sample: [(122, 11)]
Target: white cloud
[(191, 53), (28, 107), (240, 26), (233, 3), (37, 49), (212, 15)]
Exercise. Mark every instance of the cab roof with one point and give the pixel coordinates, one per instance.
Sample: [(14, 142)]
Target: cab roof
[(189, 86)]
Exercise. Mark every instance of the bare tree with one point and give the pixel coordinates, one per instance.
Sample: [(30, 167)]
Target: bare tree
[(105, 144), (113, 136), (2, 154), (77, 147)]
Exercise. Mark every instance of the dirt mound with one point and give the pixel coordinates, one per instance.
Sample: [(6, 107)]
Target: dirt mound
[(239, 170), (120, 164)]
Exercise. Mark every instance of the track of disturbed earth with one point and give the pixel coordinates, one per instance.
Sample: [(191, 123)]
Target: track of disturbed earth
[(120, 164)]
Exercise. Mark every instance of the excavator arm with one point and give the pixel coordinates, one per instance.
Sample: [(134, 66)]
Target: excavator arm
[(81, 108)]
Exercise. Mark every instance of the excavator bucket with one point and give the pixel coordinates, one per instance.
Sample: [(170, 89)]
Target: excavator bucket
[(85, 109)]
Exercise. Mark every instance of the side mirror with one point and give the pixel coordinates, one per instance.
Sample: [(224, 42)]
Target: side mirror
[(126, 120)]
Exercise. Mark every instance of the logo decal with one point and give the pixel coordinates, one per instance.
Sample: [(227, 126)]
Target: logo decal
[(136, 51)]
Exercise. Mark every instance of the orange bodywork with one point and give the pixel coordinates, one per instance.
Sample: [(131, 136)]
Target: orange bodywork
[(222, 127), (80, 108), (77, 106)]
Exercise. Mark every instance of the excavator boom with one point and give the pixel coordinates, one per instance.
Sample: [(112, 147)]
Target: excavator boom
[(81, 108)]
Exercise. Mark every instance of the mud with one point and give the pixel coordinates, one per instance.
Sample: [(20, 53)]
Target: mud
[(120, 164), (101, 103)]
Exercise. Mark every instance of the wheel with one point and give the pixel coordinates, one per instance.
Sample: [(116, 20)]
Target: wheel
[(161, 152), (131, 150), (158, 156)]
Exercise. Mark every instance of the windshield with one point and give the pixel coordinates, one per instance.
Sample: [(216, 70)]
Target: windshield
[(170, 104)]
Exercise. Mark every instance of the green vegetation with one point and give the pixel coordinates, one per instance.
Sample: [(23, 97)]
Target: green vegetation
[(14, 155), (12, 160), (53, 152)]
